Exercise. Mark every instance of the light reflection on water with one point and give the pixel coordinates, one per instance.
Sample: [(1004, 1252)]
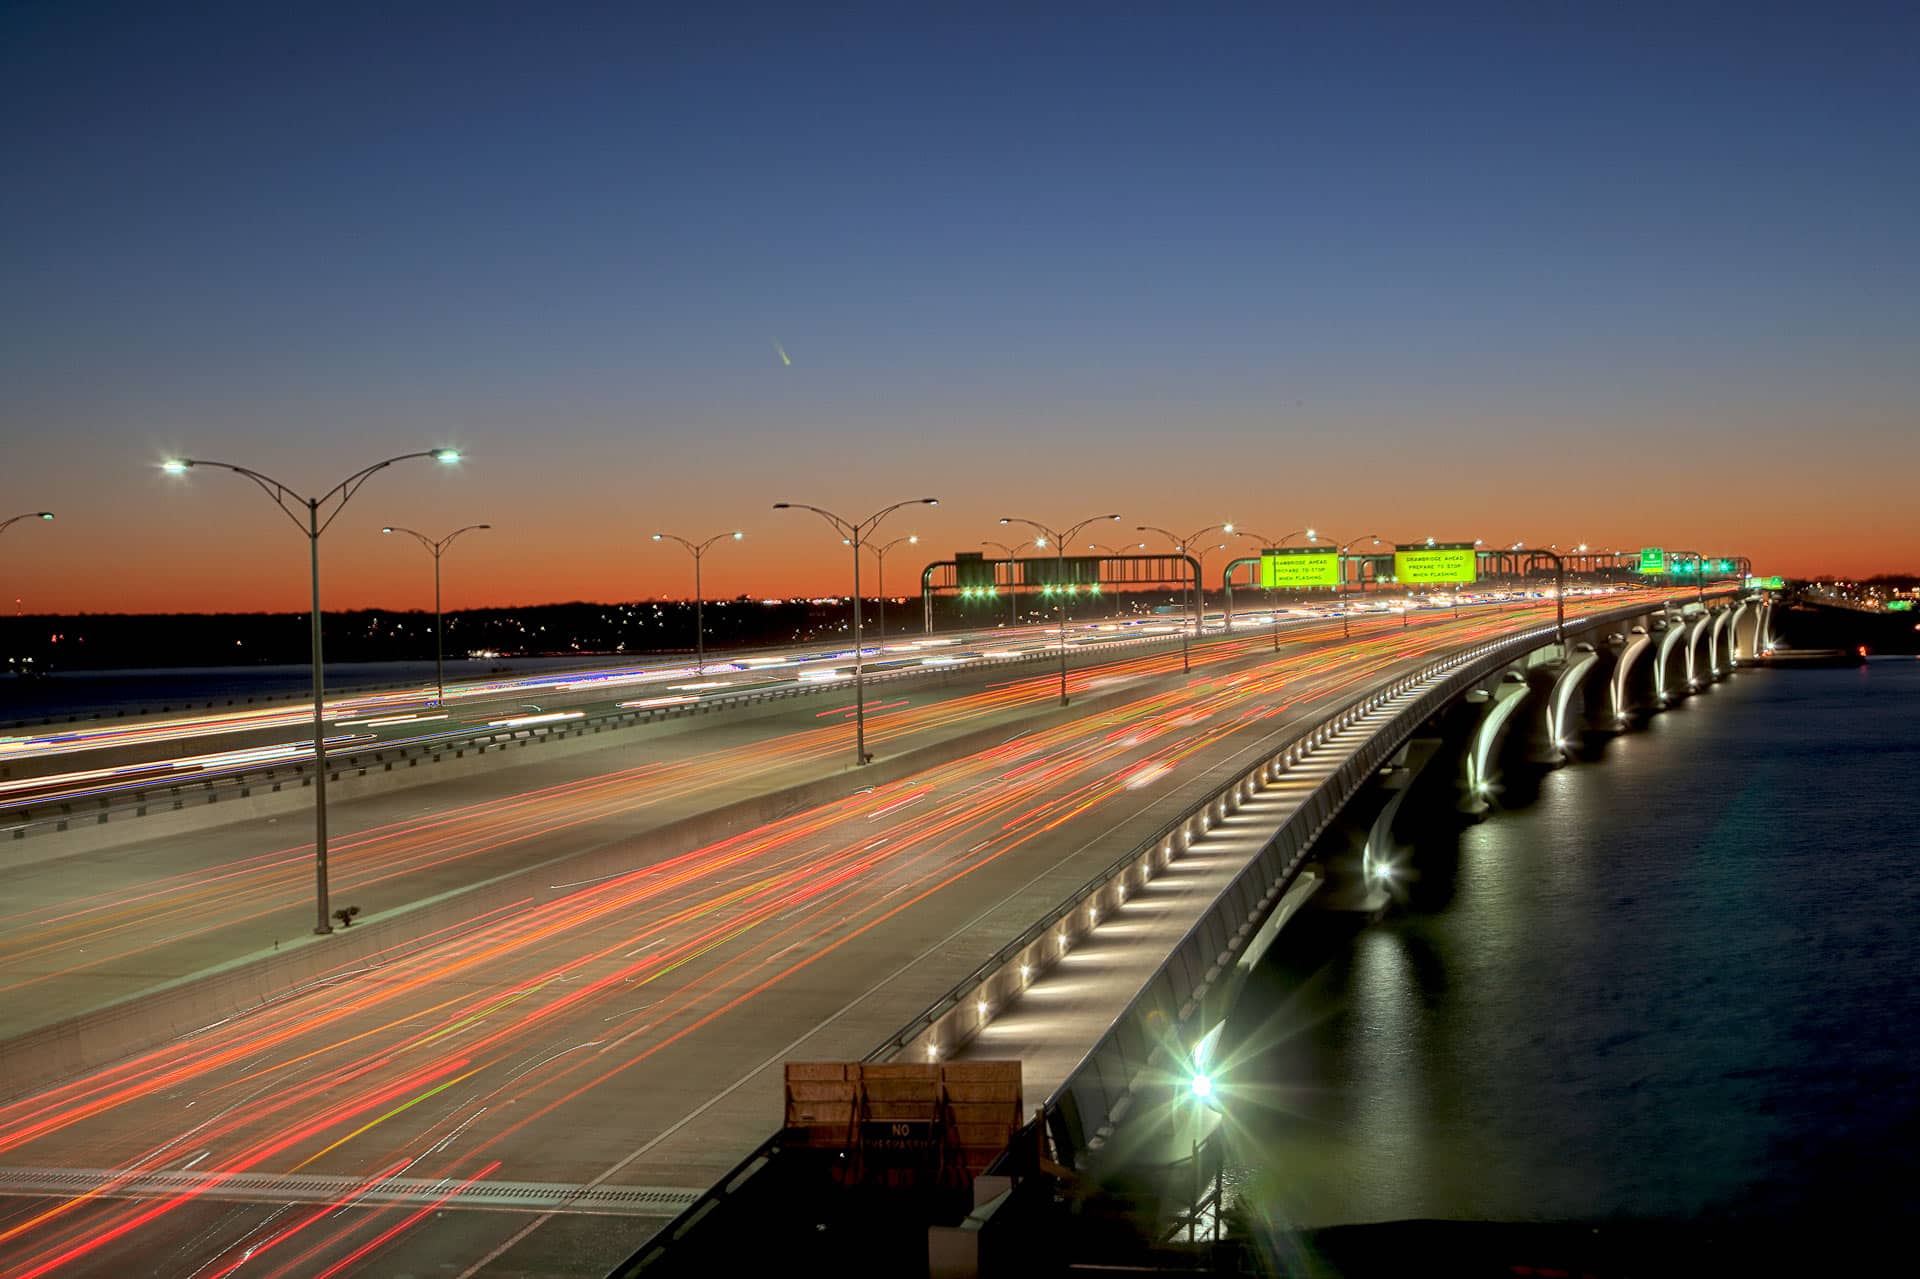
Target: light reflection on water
[(1681, 983)]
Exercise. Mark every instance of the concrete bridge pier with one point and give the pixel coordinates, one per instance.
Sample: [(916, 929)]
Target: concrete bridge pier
[(1720, 642), (1480, 770), (1366, 858), (1596, 687), (1699, 645), (1638, 682), (1740, 647), (1346, 851), (1557, 686), (1558, 724), (1748, 635), (1670, 667)]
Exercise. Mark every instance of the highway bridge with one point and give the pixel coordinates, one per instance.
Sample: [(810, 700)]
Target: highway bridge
[(566, 1015)]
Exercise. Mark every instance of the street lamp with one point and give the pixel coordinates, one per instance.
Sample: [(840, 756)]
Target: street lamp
[(1013, 582), (880, 554), (1181, 544), (437, 549), (1343, 548), (699, 550), (854, 533), (1559, 591), (28, 515), (1060, 541), (313, 526)]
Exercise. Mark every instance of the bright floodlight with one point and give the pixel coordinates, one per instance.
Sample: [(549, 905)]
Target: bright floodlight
[(656, 537), (175, 466), (1227, 528), (45, 515), (737, 535), (913, 539), (386, 530), (446, 455), (1202, 1085)]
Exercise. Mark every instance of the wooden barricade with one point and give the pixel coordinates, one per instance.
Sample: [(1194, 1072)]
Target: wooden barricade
[(905, 1124)]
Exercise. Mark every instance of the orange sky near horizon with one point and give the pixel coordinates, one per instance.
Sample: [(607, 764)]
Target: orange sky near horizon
[(211, 542)]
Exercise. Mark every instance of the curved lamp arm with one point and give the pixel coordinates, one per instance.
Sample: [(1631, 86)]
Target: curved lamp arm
[(287, 499)]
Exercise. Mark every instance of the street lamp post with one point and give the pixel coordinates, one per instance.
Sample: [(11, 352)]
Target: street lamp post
[(1264, 542), (1343, 548), (1181, 544), (1013, 582), (1559, 591), (1060, 555), (880, 555), (699, 551), (27, 515), (313, 526), (436, 549), (854, 533)]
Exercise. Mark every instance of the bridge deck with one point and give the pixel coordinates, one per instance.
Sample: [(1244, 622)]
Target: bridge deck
[(631, 1032)]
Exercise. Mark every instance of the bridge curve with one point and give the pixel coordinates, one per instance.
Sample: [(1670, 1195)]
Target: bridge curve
[(1227, 870)]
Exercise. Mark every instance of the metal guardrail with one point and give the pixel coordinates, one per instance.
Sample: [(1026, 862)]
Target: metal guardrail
[(25, 820), (1059, 1118)]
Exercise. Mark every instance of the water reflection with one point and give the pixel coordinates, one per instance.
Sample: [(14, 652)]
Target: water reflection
[(1679, 984)]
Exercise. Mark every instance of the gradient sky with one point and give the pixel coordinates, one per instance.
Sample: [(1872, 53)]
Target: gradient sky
[(1604, 273)]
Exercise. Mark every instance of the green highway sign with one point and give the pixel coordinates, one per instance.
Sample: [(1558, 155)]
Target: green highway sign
[(1653, 559), (1899, 606), (1443, 563), (1299, 566), (1767, 583)]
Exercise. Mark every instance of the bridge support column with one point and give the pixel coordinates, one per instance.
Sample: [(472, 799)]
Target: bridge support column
[(1596, 689), (1699, 660), (1552, 733), (1356, 852), (1480, 778), (1637, 680), (1741, 648), (1672, 669)]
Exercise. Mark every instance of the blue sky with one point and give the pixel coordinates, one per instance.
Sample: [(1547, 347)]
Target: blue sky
[(1231, 262)]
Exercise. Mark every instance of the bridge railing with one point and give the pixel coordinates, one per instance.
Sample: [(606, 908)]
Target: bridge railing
[(1146, 1047)]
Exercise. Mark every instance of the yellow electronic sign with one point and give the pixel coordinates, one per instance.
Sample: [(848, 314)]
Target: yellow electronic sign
[(1299, 566), (1443, 563)]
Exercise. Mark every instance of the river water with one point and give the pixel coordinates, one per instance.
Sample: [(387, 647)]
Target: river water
[(1679, 985)]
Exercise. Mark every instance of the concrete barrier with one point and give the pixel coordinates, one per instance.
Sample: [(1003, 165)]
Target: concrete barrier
[(161, 812)]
